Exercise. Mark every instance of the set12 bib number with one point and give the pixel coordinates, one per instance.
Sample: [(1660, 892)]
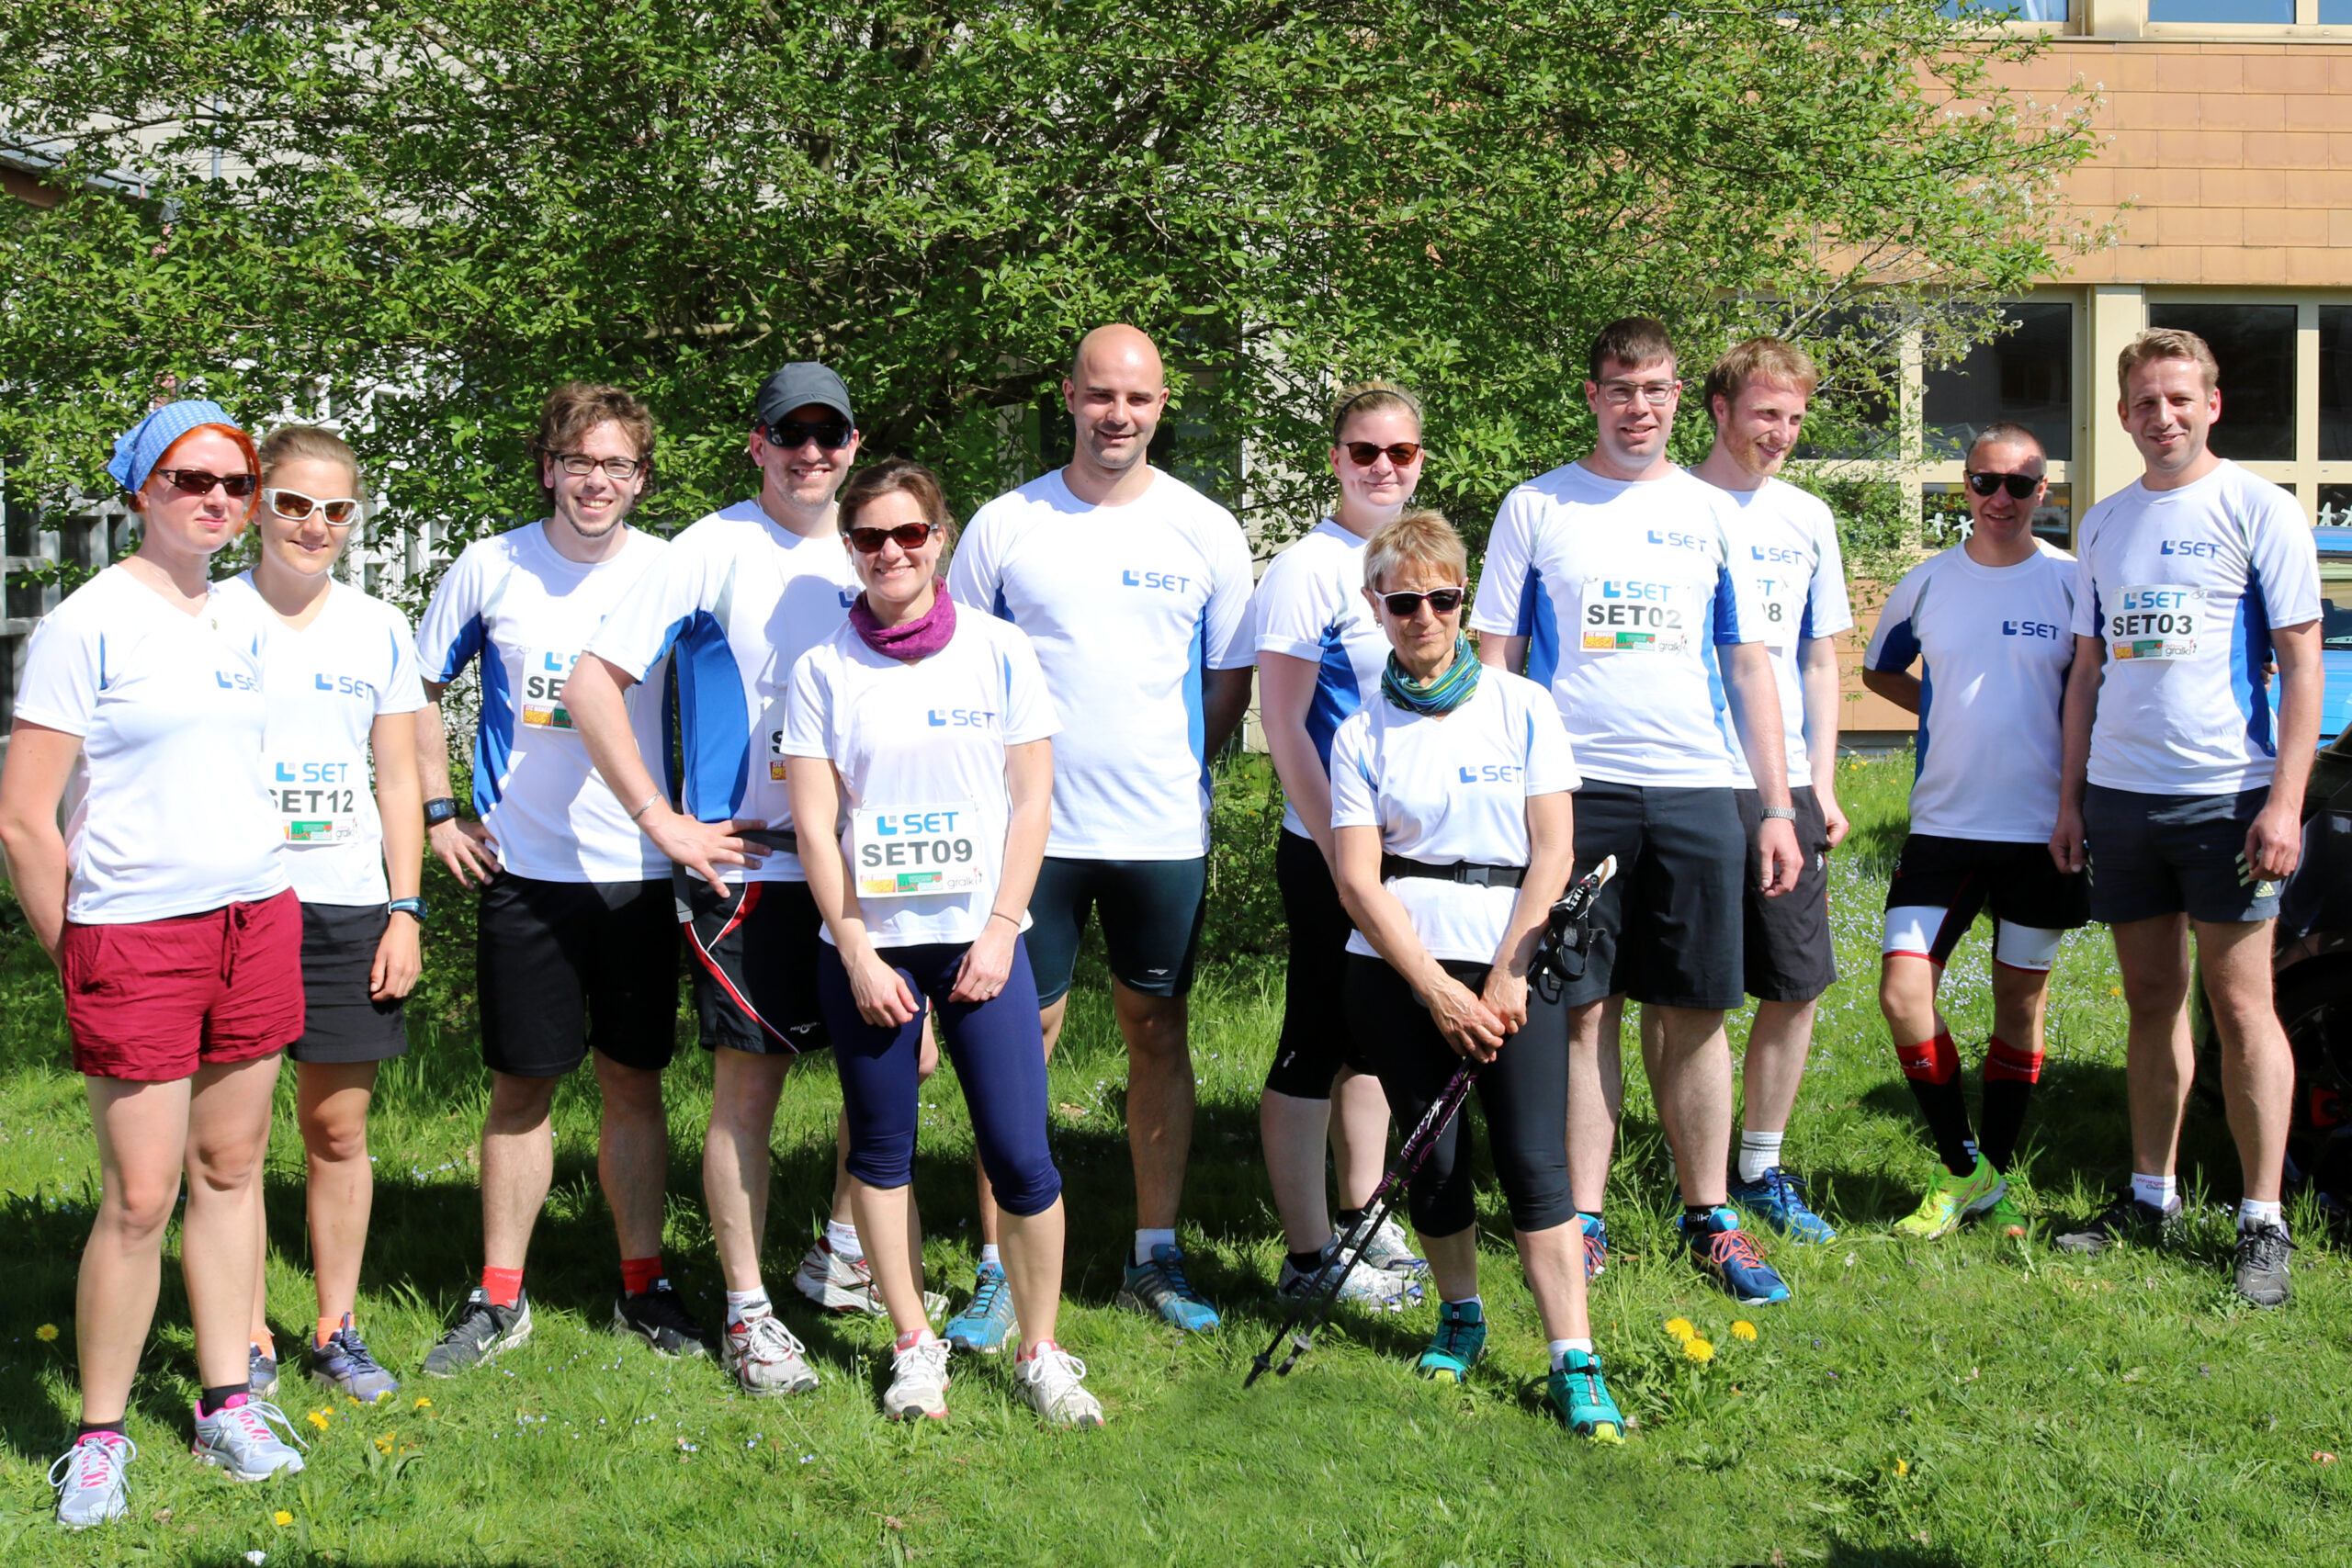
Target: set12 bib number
[(543, 672), (1629, 615), (2157, 621), (902, 851), (316, 801)]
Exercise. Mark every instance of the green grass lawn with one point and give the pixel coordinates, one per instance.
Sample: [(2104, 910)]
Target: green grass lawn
[(1971, 1403)]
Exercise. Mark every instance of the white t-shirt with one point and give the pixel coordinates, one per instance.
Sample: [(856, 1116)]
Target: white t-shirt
[(1127, 605), (1624, 592), (733, 603), (165, 812), (2184, 586), (1993, 644), (1451, 789), (920, 749), (1784, 554), (326, 684), (532, 610), (1310, 605)]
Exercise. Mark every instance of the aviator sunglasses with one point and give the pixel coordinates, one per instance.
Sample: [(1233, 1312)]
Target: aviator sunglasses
[(906, 535), (1444, 600), (2020, 486), (296, 507), (196, 482), (1364, 453)]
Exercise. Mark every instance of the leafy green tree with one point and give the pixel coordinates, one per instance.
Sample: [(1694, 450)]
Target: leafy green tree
[(435, 209)]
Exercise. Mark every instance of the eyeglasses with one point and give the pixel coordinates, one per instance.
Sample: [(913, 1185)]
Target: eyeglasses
[(1444, 600), (1624, 394), (1364, 453), (579, 465), (296, 507), (196, 482), (906, 535), (832, 435), (2018, 485)]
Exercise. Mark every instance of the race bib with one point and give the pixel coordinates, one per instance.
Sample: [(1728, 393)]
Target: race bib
[(775, 755), (315, 801), (543, 673), (2157, 621), (905, 851), (1628, 616), (1781, 602)]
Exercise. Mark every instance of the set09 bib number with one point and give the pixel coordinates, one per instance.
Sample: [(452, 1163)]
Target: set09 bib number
[(901, 853)]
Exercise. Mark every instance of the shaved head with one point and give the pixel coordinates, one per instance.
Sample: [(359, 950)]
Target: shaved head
[(1117, 351), (1117, 391)]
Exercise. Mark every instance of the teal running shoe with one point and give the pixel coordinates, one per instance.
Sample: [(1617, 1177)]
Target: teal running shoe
[(987, 1320), (1159, 1288), (1727, 1255), (1578, 1394), (1775, 1198), (1454, 1349)]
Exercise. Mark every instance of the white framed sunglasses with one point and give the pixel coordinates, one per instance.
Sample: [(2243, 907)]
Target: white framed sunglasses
[(296, 507)]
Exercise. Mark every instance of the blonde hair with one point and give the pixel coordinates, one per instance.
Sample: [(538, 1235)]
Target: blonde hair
[(1420, 537), (2161, 344), (306, 443), (1370, 397), (1774, 359)]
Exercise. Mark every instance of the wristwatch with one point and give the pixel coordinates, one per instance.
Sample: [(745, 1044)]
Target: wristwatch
[(407, 907), (440, 809), (1783, 813)]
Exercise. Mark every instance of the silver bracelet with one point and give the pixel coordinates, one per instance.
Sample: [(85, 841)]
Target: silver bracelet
[(1779, 813), (651, 801)]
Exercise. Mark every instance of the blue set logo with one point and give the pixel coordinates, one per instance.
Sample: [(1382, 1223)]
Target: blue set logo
[(1778, 555), (1492, 772), (232, 681), (1167, 582), (1676, 539), (2202, 549), (911, 824), (1647, 593), (313, 772), (2032, 628), (961, 718), (344, 685), (846, 597)]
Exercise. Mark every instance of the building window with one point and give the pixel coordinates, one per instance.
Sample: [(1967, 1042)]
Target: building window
[(2335, 374), (2024, 376), (2335, 506), (1943, 515), (2012, 10), (2256, 347), (2233, 13)]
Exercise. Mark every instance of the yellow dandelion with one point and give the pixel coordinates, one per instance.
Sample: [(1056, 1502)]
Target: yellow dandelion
[(1743, 1329), (2115, 991), (45, 1333), (1680, 1328), (1697, 1349), (1903, 1467), (317, 1418), (384, 1443), (281, 1518), (424, 1404)]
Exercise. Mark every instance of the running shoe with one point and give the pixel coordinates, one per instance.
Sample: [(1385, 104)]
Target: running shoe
[(1049, 1380), (2005, 1215), (261, 1373), (1377, 1289), (766, 1357), (1454, 1349), (88, 1479), (846, 1284), (238, 1437), (345, 1363), (1578, 1394), (987, 1322), (1387, 1248), (2261, 1265), (1726, 1254), (1952, 1200), (1776, 1198), (918, 1381), (2125, 1218), (480, 1332), (658, 1316), (1595, 1232), (1161, 1290)]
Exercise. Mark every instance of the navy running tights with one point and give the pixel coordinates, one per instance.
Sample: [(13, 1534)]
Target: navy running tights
[(1000, 1056)]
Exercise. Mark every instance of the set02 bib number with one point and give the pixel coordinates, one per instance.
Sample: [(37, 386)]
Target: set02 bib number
[(544, 669), (1627, 616), (315, 801), (2157, 621), (904, 851)]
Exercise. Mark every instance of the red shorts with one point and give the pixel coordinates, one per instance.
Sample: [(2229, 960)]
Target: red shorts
[(151, 1002)]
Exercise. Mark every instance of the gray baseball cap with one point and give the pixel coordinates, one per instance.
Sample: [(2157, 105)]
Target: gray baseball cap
[(798, 385)]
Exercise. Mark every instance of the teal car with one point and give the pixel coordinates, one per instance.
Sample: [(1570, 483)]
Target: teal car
[(2335, 628)]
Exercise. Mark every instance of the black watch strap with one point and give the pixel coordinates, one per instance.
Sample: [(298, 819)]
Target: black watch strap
[(440, 809)]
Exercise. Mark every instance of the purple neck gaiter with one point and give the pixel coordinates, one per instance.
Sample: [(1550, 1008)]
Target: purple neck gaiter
[(908, 640)]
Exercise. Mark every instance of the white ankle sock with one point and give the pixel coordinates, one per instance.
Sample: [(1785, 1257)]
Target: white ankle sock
[(988, 1255), (843, 1239), (1478, 1301), (2156, 1191), (744, 1305), (1147, 1240), (2253, 1212), (1759, 1152), (1560, 1349)]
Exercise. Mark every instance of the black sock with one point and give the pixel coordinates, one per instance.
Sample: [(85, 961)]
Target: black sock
[(1346, 1219), (89, 1427), (1592, 1215), (1306, 1262), (2004, 1105), (214, 1398), (1947, 1115), (1697, 1213)]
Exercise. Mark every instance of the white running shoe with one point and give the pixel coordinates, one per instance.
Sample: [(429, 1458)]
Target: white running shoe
[(846, 1284), (918, 1381), (1387, 1248), (90, 1490), (1049, 1382), (239, 1440), (1374, 1289), (766, 1357)]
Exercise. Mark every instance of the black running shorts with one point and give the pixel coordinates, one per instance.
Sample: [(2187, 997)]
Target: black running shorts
[(2019, 885), (752, 951), (563, 966), (1785, 947), (1151, 921), (343, 1022), (1315, 1040), (1666, 929), (2170, 854)]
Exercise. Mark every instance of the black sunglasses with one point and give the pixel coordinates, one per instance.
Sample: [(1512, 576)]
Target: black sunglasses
[(832, 435), (1444, 600), (2018, 485), (196, 482), (906, 535)]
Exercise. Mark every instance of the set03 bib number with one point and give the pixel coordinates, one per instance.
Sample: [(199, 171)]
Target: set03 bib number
[(903, 852), (1626, 615), (315, 801), (2157, 621)]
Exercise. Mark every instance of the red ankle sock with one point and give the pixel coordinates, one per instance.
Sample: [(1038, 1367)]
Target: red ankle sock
[(502, 1287), (640, 1275)]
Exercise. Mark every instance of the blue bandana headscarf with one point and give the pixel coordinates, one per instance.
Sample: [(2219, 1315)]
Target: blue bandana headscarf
[(1452, 687), (140, 449)]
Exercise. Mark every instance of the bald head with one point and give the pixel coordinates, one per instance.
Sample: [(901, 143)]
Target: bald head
[(1117, 392)]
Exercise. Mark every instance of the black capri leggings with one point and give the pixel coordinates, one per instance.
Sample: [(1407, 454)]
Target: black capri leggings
[(1523, 1093), (1315, 1043)]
